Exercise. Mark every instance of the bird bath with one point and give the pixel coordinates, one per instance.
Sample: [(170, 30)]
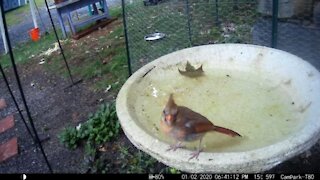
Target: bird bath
[(270, 97)]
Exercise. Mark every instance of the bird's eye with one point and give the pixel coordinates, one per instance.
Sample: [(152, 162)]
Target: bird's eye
[(164, 112)]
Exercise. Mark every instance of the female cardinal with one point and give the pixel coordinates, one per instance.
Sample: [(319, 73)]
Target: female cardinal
[(183, 124)]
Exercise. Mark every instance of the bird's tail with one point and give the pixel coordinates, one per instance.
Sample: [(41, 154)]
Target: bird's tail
[(226, 131)]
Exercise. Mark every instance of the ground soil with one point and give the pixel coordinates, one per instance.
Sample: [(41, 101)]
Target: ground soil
[(54, 105)]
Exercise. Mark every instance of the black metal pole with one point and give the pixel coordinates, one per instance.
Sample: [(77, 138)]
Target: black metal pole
[(126, 37), (43, 25), (189, 22), (20, 86), (16, 103), (235, 4), (61, 50), (275, 9), (217, 13)]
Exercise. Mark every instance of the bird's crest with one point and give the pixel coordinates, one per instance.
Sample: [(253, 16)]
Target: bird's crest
[(171, 109)]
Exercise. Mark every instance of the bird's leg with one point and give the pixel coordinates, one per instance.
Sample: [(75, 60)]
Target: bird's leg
[(196, 153), (175, 146)]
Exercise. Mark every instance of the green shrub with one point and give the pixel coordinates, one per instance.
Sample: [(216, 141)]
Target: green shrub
[(101, 127), (69, 137)]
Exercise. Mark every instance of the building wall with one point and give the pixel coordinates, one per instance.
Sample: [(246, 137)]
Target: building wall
[(12, 4)]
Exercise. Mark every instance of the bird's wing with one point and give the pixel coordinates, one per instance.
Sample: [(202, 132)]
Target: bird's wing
[(193, 121), (201, 127)]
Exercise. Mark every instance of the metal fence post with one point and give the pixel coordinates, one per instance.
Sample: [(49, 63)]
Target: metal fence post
[(217, 13), (189, 22), (23, 97), (275, 9), (126, 37)]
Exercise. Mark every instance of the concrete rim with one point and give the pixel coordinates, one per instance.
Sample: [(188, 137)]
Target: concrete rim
[(257, 160)]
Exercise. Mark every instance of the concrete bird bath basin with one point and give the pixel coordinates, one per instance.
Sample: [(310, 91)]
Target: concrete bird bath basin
[(270, 97)]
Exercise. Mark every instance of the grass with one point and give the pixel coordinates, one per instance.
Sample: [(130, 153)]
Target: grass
[(102, 60), (93, 135), (16, 16), (206, 19), (105, 62), (128, 160), (161, 18), (26, 51), (137, 162)]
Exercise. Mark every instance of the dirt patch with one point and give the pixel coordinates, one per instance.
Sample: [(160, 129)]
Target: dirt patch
[(54, 105)]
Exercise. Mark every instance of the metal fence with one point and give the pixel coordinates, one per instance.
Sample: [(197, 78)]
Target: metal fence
[(290, 25)]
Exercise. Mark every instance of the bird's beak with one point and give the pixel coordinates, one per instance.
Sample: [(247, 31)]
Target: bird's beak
[(169, 117)]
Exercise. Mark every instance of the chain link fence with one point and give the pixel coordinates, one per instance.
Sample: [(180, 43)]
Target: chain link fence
[(186, 23)]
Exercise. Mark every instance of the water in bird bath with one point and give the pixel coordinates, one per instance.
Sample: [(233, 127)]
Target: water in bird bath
[(249, 103)]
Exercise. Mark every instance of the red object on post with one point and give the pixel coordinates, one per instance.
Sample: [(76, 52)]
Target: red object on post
[(59, 1), (34, 34)]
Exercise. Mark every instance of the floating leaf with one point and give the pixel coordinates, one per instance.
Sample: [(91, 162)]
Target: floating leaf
[(191, 71)]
